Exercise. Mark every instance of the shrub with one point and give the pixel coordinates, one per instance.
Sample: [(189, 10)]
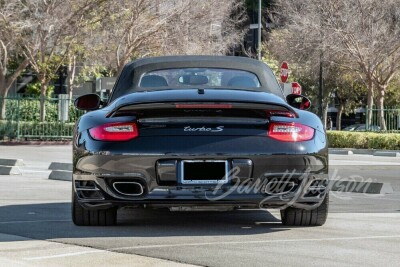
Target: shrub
[(28, 109), (364, 140), (36, 130), (33, 89)]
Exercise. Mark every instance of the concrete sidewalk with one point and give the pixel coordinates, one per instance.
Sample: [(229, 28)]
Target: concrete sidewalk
[(20, 251)]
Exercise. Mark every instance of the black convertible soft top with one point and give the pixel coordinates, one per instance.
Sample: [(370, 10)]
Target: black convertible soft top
[(130, 76)]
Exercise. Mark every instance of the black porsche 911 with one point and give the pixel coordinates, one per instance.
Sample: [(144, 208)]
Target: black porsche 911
[(198, 133)]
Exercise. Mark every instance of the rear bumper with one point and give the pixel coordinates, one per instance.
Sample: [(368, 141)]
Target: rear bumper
[(201, 200), (101, 163), (262, 185)]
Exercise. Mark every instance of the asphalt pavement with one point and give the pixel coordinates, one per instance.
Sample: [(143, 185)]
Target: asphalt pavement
[(36, 228)]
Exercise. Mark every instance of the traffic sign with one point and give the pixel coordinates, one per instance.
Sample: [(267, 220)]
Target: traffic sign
[(284, 72), (292, 88), (296, 88)]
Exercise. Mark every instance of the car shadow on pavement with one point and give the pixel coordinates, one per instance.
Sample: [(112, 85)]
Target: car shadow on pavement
[(53, 221)]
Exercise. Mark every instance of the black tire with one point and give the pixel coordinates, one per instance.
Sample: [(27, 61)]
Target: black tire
[(301, 217), (85, 217)]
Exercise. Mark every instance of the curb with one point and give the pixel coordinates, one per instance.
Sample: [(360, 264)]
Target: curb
[(12, 162), (10, 170), (341, 152), (386, 154), (35, 143), (10, 166), (60, 171), (360, 187), (60, 175), (60, 166), (373, 152)]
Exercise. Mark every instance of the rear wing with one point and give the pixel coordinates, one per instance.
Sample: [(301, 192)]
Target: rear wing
[(194, 108)]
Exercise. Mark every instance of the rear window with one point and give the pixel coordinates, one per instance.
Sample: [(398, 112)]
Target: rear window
[(199, 77)]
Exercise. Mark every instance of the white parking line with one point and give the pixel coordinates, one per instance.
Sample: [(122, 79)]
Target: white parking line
[(65, 255), (256, 242)]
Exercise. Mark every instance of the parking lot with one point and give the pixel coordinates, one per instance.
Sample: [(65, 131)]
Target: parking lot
[(36, 227)]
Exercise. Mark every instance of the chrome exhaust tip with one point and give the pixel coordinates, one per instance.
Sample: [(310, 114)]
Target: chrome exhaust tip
[(132, 189)]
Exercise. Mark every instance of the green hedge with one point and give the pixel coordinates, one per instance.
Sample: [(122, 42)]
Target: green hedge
[(28, 109), (36, 130), (364, 140), (337, 139)]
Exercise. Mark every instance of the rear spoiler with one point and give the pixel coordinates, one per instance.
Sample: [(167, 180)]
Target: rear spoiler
[(272, 109)]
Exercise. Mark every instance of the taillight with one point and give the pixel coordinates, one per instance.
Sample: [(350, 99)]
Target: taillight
[(120, 131), (290, 132)]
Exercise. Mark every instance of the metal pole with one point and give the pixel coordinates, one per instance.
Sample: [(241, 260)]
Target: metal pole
[(320, 88), (18, 111), (259, 30)]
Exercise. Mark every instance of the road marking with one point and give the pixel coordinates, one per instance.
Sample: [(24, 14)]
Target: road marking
[(64, 255), (38, 221), (256, 242)]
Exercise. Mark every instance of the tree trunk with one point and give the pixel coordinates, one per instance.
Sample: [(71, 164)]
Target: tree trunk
[(5, 84), (119, 69), (70, 93), (339, 117), (2, 107), (71, 76), (3, 95), (42, 106), (325, 112), (370, 101), (381, 107), (43, 91)]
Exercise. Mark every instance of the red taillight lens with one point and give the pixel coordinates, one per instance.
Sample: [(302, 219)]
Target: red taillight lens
[(121, 131), (290, 132)]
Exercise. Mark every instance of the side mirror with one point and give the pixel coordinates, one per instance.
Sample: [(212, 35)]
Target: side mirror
[(88, 102), (298, 101)]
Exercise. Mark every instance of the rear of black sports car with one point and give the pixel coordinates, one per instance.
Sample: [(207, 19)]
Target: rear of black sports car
[(198, 148)]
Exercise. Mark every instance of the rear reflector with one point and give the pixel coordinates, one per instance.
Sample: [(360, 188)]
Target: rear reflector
[(203, 106), (290, 132), (121, 131)]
